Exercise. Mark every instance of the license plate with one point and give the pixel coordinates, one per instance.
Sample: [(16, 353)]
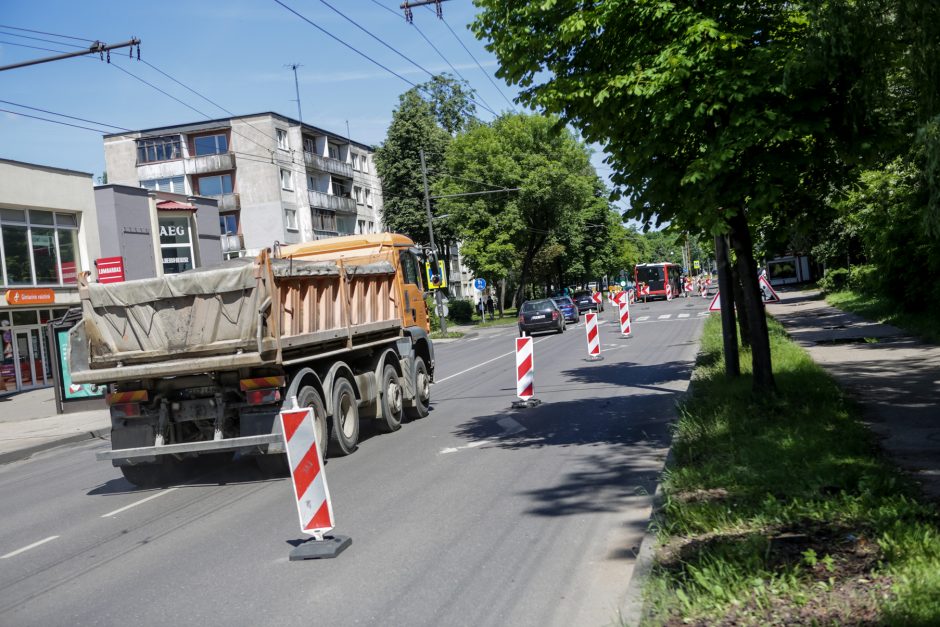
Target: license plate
[(538, 317)]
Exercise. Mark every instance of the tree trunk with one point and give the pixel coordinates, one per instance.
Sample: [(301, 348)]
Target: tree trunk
[(753, 304), (743, 325), (729, 332), (502, 296), (531, 250)]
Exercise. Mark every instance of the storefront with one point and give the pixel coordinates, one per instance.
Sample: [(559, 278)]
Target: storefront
[(27, 356)]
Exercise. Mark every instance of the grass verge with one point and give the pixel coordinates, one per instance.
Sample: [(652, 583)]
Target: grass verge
[(780, 510), (880, 309), (510, 317), (439, 335)]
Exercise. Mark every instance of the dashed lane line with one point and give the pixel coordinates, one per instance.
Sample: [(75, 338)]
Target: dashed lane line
[(28, 547), (140, 502)]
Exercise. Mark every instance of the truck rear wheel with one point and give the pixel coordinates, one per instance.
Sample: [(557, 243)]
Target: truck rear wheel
[(422, 406), (164, 472), (392, 401), (344, 432)]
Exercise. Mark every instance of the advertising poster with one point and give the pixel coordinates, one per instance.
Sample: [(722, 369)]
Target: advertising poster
[(73, 391)]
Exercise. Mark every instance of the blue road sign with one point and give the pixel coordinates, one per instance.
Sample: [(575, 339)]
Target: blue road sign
[(480, 284)]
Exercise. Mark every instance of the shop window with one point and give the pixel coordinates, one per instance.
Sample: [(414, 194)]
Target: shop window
[(176, 244)]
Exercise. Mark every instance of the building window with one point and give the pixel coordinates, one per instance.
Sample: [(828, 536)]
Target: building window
[(333, 151), (371, 226), (290, 219), (368, 193), (282, 139), (175, 184), (323, 220), (39, 247), (286, 180), (357, 192), (215, 185), (364, 164), (355, 161), (159, 149), (360, 227), (176, 244), (340, 188), (310, 145), (210, 145), (228, 223)]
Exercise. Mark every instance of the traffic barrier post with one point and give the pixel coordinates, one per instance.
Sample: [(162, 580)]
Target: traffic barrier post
[(625, 320), (593, 337), (525, 373), (311, 493)]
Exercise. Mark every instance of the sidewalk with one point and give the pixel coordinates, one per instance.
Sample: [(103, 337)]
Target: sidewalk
[(893, 377), (29, 424)]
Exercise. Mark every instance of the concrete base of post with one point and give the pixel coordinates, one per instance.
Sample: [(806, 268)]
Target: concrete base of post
[(327, 548), (526, 403), (594, 358), (626, 336)]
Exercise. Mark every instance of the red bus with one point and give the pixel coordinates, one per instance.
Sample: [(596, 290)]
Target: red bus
[(657, 276)]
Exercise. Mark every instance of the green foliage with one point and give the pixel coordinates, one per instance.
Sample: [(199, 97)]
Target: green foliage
[(835, 280), (808, 469), (427, 123), (460, 311), (433, 318), (558, 192)]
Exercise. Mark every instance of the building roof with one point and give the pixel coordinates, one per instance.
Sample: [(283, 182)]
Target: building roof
[(46, 167), (219, 122), (172, 205)]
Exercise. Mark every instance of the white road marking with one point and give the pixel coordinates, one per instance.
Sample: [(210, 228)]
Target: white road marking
[(27, 547), (704, 313), (465, 446), (140, 502), (664, 317), (488, 361), (474, 339), (510, 427), (642, 318), (683, 315)]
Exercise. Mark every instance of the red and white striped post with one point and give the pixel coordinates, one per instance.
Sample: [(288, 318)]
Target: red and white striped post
[(593, 337), (668, 290), (308, 479), (625, 319), (525, 374)]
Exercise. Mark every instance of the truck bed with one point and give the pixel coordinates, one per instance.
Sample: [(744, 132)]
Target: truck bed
[(244, 313)]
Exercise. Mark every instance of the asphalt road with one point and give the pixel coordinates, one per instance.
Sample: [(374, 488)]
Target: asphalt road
[(476, 515)]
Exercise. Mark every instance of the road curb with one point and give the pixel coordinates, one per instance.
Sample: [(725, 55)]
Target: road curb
[(24, 453), (634, 609)]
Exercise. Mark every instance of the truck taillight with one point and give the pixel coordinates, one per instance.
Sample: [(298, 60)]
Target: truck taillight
[(125, 410), (263, 397), (134, 396)]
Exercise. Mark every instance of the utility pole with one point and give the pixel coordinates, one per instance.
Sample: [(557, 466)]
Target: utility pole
[(294, 66), (433, 260), (99, 48)]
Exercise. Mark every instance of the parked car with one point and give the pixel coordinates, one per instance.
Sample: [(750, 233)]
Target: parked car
[(585, 302), (568, 308), (540, 315)]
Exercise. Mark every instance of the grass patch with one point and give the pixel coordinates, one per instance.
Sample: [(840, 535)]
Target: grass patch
[(780, 510), (925, 324), (439, 335), (510, 317)]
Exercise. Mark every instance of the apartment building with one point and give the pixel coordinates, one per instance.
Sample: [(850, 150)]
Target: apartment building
[(275, 178)]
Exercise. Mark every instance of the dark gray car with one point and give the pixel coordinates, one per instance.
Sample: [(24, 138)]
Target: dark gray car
[(585, 302), (540, 315)]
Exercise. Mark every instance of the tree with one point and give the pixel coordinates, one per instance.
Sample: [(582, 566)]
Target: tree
[(506, 230), (712, 113), (426, 118)]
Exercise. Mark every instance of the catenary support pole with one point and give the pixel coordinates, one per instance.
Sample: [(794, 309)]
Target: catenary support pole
[(427, 208)]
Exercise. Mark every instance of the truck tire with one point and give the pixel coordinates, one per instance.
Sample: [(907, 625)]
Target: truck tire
[(392, 401), (344, 430), (164, 472), (422, 406)]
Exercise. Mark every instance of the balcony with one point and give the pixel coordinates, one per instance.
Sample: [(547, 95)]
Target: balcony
[(210, 163), (339, 204), (228, 202), (232, 245), (327, 164)]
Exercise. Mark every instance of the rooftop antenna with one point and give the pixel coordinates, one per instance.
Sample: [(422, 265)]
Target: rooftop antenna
[(294, 66)]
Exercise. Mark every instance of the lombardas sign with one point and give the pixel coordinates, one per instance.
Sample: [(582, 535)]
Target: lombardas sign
[(30, 297)]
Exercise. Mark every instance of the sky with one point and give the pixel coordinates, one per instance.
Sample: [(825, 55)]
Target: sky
[(233, 53)]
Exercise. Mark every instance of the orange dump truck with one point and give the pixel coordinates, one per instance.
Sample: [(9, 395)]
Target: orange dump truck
[(202, 362)]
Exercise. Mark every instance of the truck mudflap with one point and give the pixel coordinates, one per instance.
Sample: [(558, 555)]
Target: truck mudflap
[(273, 441)]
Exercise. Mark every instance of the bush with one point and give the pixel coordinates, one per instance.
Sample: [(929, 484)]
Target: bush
[(461, 311), (432, 313), (835, 280), (864, 279)]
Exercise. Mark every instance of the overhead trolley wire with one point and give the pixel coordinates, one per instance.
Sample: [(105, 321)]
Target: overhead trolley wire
[(488, 77), (41, 32)]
